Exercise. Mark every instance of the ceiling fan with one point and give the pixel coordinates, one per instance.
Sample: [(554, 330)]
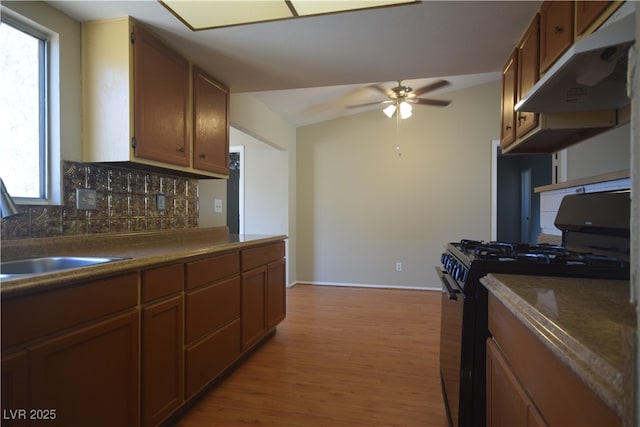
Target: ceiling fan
[(402, 97)]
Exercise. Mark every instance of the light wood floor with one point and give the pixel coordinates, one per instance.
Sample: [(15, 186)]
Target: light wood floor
[(342, 357)]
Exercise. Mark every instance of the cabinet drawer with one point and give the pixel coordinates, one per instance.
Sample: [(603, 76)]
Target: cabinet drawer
[(162, 281), (211, 307), (261, 255), (53, 311), (557, 391), (207, 359), (212, 269)]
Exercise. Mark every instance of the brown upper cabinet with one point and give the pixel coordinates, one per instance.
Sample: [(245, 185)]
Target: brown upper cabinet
[(137, 103), (509, 86), (588, 12), (528, 54), (161, 100), (556, 31), (210, 123)]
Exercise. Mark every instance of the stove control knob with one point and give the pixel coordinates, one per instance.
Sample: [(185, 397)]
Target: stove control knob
[(463, 274)]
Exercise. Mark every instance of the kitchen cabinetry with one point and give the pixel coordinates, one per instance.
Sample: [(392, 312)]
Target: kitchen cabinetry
[(210, 123), (556, 30), (528, 385), (80, 350), (263, 285), (519, 75), (591, 14), (509, 83), (162, 343), (137, 103), (15, 387), (212, 325), (528, 60), (529, 132), (507, 403), (161, 97)]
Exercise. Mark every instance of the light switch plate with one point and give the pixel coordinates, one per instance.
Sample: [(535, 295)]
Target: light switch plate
[(85, 199), (161, 202)]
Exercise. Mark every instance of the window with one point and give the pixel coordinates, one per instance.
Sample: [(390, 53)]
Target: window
[(23, 108)]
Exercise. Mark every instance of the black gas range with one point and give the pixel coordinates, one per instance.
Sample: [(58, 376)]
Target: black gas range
[(595, 244)]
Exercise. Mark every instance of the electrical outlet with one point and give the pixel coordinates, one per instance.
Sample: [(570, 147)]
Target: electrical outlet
[(217, 205), (86, 199), (161, 202), (398, 266)]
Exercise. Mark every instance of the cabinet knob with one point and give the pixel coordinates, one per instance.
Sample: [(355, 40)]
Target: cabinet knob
[(558, 29), (202, 156), (522, 118), (507, 127), (181, 150)]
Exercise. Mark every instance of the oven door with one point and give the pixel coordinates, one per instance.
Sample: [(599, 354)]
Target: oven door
[(450, 344)]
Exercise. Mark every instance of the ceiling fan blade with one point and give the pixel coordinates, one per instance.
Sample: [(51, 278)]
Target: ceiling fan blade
[(432, 102), (369, 104), (428, 88), (379, 88)]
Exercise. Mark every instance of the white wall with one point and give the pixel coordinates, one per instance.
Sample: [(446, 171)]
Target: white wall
[(253, 118), (362, 208), (607, 152), (266, 187)]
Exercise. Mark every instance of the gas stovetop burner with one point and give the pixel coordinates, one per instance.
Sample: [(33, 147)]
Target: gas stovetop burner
[(539, 259)]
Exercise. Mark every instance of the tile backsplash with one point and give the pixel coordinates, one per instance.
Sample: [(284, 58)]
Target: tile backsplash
[(126, 203)]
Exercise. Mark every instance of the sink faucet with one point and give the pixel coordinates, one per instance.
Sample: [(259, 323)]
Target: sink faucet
[(8, 207)]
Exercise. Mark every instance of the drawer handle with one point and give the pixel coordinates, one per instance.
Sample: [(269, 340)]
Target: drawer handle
[(203, 156), (558, 29)]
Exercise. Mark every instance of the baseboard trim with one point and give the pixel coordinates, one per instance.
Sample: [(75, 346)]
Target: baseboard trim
[(361, 285)]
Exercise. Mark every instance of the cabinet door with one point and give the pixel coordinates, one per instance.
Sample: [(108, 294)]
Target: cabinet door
[(206, 359), (89, 376), (15, 389), (556, 31), (253, 305), (507, 403), (162, 360), (276, 293), (508, 133), (528, 72), (587, 12), (161, 101), (210, 124)]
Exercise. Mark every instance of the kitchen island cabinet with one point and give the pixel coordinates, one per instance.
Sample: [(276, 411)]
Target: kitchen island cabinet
[(563, 346), (137, 103)]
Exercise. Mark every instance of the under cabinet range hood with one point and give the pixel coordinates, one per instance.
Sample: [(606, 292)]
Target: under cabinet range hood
[(590, 76)]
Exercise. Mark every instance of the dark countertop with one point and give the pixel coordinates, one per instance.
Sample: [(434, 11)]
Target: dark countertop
[(589, 324), (142, 250)]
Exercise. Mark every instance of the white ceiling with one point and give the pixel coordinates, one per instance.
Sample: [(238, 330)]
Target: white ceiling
[(308, 69)]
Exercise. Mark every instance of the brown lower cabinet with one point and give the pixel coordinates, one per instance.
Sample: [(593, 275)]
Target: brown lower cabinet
[(131, 350), (162, 358), (527, 385)]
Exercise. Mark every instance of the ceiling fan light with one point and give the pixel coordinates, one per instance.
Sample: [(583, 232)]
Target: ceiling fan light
[(405, 110), (390, 110)]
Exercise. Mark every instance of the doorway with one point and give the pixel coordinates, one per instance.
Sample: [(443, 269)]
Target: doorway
[(515, 204), (235, 190)]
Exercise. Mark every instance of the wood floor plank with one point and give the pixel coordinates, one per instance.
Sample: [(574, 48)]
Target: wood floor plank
[(342, 357)]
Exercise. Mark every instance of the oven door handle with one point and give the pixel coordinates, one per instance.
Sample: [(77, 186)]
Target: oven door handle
[(451, 291)]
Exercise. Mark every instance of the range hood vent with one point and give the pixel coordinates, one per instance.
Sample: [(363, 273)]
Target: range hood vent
[(590, 76)]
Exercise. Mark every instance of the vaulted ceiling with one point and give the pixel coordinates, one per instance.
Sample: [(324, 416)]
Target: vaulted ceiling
[(307, 69)]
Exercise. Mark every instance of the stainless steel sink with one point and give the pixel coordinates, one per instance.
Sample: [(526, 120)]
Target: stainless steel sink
[(26, 266)]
